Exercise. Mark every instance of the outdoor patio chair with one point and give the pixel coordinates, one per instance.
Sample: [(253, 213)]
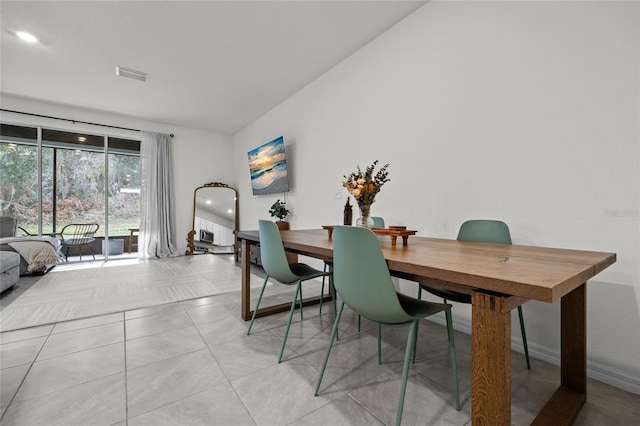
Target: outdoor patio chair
[(78, 235)]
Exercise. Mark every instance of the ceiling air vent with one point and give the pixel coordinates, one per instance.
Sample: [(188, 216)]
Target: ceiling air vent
[(128, 72)]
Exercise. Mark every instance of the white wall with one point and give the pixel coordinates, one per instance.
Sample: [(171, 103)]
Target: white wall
[(525, 112), (199, 156)]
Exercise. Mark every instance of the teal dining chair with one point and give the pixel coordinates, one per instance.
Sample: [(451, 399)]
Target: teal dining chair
[(488, 231), (378, 222), (274, 262), (363, 282)]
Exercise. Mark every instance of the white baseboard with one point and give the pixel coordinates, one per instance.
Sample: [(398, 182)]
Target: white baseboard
[(596, 371)]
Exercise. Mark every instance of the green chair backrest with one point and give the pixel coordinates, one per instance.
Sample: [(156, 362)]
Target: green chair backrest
[(378, 222), (273, 257), (488, 231), (361, 276)]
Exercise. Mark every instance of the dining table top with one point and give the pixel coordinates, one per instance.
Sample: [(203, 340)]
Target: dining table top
[(530, 272)]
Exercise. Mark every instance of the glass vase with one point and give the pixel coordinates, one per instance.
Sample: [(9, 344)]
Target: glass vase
[(365, 219)]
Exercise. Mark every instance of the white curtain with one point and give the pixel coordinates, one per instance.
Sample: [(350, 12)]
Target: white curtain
[(157, 222)]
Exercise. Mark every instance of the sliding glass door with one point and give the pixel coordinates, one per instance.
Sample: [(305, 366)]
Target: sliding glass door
[(62, 177), (77, 192), (123, 195)]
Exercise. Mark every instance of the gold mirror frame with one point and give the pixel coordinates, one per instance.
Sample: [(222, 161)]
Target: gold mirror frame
[(191, 235)]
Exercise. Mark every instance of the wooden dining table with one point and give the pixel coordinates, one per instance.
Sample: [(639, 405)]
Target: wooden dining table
[(499, 278)]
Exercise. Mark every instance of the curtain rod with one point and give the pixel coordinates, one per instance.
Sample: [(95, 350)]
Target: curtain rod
[(73, 121)]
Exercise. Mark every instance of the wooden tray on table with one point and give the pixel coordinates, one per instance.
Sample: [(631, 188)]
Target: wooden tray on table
[(393, 231)]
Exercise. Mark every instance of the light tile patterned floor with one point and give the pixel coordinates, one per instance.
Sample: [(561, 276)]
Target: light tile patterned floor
[(191, 363), (72, 291)]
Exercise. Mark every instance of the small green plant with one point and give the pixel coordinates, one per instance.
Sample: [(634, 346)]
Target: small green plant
[(279, 210)]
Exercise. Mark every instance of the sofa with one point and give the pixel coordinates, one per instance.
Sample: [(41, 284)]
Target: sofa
[(9, 269), (37, 254), (9, 261), (8, 226)]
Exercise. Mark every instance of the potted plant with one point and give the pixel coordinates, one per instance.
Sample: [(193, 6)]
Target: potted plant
[(280, 211)]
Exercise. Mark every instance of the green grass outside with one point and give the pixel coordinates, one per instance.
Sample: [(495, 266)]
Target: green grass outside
[(118, 227)]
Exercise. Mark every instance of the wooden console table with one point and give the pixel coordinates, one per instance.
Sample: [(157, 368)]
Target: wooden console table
[(133, 232), (394, 233)]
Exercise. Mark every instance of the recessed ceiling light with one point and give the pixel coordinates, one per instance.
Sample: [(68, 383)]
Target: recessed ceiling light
[(27, 36), (128, 72)]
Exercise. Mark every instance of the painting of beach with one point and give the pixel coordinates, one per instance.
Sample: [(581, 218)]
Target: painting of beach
[(268, 168)]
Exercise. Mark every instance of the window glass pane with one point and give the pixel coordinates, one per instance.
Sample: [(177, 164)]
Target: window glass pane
[(47, 190), (124, 193), (79, 188), (62, 139), (19, 175), (124, 146)]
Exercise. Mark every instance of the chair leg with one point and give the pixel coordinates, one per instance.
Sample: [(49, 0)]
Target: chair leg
[(454, 363), (253, 317), (524, 337), (445, 302), (322, 290), (326, 356), (415, 343), (286, 332), (379, 330), (413, 333), (300, 292), (334, 301), (334, 297)]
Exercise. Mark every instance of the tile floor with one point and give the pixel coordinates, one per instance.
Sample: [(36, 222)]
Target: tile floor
[(191, 363)]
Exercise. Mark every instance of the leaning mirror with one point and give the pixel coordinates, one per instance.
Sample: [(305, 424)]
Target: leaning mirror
[(215, 220)]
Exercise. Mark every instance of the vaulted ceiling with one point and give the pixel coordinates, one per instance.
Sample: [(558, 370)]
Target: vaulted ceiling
[(215, 65)]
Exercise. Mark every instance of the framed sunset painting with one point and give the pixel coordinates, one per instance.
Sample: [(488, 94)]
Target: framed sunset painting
[(268, 168)]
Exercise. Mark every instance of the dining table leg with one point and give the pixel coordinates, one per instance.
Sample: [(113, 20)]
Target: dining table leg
[(565, 404), (574, 340), (245, 292), (490, 359)]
